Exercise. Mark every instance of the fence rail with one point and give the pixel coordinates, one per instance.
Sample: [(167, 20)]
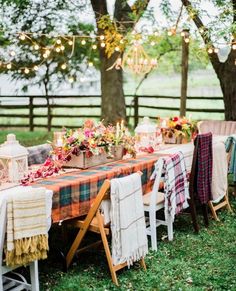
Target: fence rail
[(33, 107)]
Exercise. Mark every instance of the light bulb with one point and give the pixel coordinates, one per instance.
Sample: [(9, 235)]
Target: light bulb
[(169, 33), (117, 49), (22, 36), (182, 33), (152, 43), (12, 53), (58, 49), (121, 41), (187, 40), (9, 66), (47, 52), (26, 70), (90, 64), (234, 46), (45, 55), (71, 79), (36, 68), (103, 44), (63, 66), (58, 41), (94, 46), (36, 47), (210, 50), (83, 42), (102, 37), (70, 42), (62, 47), (216, 50)]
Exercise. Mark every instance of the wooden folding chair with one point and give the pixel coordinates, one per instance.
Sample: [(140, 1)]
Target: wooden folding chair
[(94, 222), (224, 201)]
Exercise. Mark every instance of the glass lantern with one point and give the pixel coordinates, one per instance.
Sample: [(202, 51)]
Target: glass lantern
[(146, 134), (13, 160)]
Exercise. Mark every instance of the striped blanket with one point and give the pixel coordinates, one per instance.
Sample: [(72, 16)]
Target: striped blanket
[(175, 184), (26, 231), (129, 239)]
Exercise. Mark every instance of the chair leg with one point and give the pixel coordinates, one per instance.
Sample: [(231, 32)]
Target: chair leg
[(213, 212), (142, 263), (107, 249), (205, 214), (170, 228), (34, 276), (193, 214), (152, 218), (227, 201)]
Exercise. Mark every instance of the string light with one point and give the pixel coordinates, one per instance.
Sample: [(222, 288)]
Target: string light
[(216, 50), (22, 36), (102, 37), (71, 79), (210, 50), (62, 47), (117, 49), (58, 41), (36, 47), (90, 64), (63, 66), (103, 44), (187, 40), (9, 66), (70, 42), (234, 46), (12, 53), (94, 46), (36, 68), (45, 55), (26, 71), (83, 41), (58, 49)]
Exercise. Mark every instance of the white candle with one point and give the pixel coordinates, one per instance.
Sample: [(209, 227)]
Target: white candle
[(59, 142)]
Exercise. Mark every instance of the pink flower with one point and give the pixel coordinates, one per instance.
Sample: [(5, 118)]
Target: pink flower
[(88, 133), (70, 139), (88, 123)]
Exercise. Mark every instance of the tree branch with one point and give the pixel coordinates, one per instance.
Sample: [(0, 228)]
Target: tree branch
[(234, 10), (204, 33)]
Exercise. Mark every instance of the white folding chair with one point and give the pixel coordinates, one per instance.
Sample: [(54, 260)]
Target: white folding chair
[(153, 202), (6, 282)]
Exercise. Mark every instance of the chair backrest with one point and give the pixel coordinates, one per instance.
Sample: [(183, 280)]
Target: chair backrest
[(38, 154), (158, 172), (3, 210), (218, 127)]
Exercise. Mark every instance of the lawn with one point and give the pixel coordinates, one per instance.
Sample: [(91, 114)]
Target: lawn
[(191, 262)]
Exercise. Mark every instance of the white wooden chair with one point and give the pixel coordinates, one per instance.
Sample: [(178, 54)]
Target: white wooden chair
[(154, 201), (8, 283)]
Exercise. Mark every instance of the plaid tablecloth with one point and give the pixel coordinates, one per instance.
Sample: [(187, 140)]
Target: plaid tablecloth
[(75, 192)]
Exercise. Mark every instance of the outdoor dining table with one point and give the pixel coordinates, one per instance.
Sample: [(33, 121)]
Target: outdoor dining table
[(75, 191)]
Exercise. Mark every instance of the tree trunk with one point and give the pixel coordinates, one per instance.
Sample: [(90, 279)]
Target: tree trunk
[(113, 100), (227, 77)]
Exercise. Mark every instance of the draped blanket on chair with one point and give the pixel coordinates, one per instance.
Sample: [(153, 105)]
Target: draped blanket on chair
[(129, 239), (26, 231)]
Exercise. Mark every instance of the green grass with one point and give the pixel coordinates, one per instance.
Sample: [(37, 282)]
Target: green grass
[(27, 138), (190, 262)]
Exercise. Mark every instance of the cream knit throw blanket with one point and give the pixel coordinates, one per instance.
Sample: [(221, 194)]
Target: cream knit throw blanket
[(219, 172), (129, 239), (26, 232)]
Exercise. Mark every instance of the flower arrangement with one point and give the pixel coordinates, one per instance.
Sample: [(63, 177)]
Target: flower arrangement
[(94, 139), (178, 128)]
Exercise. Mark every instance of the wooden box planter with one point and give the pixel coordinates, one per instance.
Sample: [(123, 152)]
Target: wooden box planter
[(82, 162)]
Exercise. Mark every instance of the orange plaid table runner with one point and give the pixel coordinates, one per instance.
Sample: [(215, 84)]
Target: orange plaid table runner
[(74, 192)]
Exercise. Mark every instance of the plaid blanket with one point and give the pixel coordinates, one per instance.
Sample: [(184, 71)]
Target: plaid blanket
[(38, 154), (203, 176), (231, 144), (175, 184)]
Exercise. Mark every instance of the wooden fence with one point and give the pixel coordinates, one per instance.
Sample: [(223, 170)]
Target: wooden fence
[(26, 111)]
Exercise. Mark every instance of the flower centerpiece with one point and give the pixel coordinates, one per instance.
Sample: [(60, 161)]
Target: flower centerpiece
[(178, 130), (94, 139)]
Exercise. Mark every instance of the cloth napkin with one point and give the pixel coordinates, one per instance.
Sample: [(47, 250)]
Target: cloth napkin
[(129, 239), (26, 230)]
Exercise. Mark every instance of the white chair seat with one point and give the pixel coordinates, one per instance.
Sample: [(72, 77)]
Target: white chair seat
[(147, 197)]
